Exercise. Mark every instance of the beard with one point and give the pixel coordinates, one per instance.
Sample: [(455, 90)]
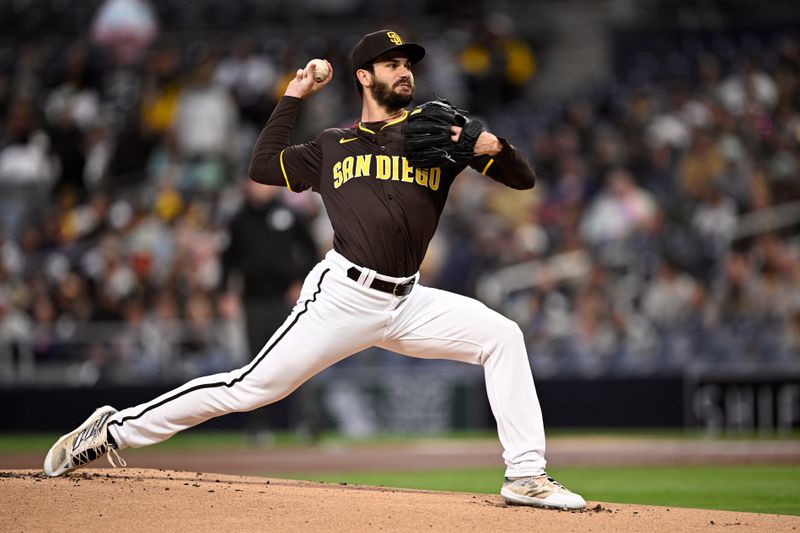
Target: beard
[(390, 99)]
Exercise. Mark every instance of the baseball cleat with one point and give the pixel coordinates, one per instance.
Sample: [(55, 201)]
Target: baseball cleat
[(82, 446), (540, 491)]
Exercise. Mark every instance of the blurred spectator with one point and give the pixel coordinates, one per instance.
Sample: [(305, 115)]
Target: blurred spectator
[(752, 86), (45, 346), (129, 156), (126, 27), (15, 331), (620, 211), (593, 338), (205, 131), (672, 298), (735, 293), (68, 149), (715, 221), (701, 165), (136, 344), (26, 166), (271, 248), (161, 90), (659, 172), (497, 64), (203, 350), (247, 74)]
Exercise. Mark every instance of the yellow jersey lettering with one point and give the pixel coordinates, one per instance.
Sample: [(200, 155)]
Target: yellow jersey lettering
[(383, 165), (395, 168), (347, 168), (337, 175), (421, 175), (408, 172), (362, 165), (435, 177)]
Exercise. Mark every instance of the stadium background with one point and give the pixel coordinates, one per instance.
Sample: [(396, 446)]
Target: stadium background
[(655, 269)]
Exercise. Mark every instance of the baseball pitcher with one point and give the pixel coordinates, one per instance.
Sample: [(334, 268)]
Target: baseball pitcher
[(384, 183)]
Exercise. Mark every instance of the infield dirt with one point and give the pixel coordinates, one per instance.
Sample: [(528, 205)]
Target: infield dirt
[(162, 500), (154, 499)]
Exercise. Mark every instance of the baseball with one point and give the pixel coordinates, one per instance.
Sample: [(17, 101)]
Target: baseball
[(319, 71)]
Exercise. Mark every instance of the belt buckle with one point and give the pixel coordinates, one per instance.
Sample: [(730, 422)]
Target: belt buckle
[(409, 284)]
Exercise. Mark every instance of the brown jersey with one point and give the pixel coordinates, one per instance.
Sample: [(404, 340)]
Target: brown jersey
[(383, 212)]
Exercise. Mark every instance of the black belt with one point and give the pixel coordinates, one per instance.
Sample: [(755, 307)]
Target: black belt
[(397, 289)]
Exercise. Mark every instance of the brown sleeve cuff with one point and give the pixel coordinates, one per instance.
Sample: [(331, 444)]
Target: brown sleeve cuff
[(510, 167)]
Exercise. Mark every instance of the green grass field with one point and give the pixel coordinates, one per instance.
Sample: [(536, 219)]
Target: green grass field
[(758, 489), (762, 489)]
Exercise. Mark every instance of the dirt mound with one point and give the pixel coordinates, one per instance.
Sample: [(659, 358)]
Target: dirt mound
[(164, 500)]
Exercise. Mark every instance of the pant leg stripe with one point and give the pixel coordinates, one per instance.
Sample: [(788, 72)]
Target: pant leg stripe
[(234, 381)]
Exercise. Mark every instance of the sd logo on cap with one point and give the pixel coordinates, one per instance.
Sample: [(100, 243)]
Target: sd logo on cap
[(378, 43)]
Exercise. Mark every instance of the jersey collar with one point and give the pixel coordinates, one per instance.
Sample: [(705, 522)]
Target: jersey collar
[(399, 119)]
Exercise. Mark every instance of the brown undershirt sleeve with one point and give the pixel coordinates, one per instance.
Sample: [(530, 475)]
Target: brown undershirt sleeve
[(274, 162), (509, 166)]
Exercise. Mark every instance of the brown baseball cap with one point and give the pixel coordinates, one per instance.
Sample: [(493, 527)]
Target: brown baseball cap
[(378, 43)]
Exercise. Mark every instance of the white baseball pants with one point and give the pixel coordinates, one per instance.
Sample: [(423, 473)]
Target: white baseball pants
[(336, 317)]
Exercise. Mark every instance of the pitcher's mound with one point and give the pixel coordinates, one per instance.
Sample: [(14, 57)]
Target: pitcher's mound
[(163, 500)]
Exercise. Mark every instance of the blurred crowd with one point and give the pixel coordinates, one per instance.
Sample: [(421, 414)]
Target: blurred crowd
[(123, 163), (677, 188)]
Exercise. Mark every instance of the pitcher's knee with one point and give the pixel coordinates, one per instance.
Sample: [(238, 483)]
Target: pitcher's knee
[(507, 343), (509, 333), (249, 394)]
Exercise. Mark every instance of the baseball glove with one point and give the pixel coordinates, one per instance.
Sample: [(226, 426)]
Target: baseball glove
[(427, 135)]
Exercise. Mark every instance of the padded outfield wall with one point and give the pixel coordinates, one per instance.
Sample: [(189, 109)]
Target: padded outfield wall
[(406, 401)]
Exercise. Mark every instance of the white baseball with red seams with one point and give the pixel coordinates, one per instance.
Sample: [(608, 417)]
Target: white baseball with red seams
[(335, 317)]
